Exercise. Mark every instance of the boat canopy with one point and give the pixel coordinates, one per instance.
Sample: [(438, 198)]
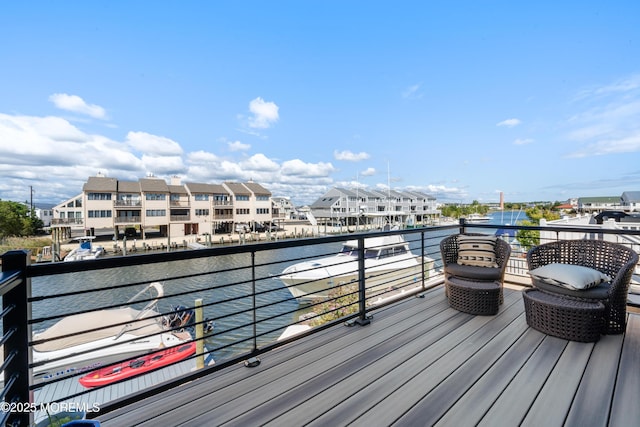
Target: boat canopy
[(103, 321)]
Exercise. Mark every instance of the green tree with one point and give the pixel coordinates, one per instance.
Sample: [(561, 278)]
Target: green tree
[(17, 220), (531, 238)]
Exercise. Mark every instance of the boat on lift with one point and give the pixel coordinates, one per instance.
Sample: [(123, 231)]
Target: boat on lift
[(86, 341), (85, 250), (388, 262), (477, 218)]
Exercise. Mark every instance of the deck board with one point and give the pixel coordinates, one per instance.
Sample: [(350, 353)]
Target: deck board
[(514, 401), (334, 358), (418, 363), (591, 405), (423, 395), (625, 408), (550, 407)]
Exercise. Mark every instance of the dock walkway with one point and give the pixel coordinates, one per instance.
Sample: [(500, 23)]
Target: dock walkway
[(419, 362)]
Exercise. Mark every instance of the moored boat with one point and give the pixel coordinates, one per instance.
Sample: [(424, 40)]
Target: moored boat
[(86, 341), (389, 263), (476, 217), (85, 250)]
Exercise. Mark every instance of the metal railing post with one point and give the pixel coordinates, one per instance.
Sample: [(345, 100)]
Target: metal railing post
[(253, 298), (424, 287), (16, 335), (462, 225), (362, 298)]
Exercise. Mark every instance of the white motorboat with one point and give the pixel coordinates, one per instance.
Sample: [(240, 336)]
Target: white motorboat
[(389, 264), (99, 338), (85, 250), (476, 217)]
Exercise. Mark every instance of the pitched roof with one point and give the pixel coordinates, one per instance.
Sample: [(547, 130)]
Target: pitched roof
[(237, 188), (129, 186), (631, 196), (100, 184), (603, 199), (257, 189), (153, 185)]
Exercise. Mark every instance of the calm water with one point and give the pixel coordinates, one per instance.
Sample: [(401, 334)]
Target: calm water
[(232, 308), (184, 287)]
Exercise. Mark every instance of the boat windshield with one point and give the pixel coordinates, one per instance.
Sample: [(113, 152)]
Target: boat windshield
[(349, 250), (393, 251), (353, 251)]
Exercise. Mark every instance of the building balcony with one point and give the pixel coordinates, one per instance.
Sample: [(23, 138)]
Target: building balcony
[(66, 221), (127, 203), (127, 219)]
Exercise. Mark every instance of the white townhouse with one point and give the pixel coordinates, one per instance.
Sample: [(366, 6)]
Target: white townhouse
[(598, 204), (341, 206), (171, 209), (631, 201)]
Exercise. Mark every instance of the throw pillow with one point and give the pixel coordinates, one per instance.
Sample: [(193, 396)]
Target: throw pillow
[(478, 251), (576, 277)]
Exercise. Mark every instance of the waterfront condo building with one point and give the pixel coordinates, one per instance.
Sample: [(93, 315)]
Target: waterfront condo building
[(176, 210)]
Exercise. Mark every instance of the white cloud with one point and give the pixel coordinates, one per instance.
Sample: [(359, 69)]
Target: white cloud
[(300, 168), (153, 144), (627, 84), (264, 113), (55, 157), (628, 144), (522, 141), (611, 126), (412, 92), (76, 104), (238, 146), (202, 157), (349, 156), (368, 172), (509, 123), (163, 165), (259, 162)]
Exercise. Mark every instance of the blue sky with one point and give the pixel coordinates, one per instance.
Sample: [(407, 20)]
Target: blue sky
[(460, 100)]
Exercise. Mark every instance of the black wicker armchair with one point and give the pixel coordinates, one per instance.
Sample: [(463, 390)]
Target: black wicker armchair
[(474, 289), (613, 259)]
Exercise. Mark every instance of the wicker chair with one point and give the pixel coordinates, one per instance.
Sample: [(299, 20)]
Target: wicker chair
[(613, 259), (472, 289)]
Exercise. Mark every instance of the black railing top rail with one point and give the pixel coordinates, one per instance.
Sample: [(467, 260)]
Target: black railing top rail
[(427, 237), (46, 269), (9, 280)]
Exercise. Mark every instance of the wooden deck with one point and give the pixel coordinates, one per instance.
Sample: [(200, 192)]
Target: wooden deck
[(419, 362)]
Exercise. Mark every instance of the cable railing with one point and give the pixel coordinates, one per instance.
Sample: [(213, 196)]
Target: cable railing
[(73, 333)]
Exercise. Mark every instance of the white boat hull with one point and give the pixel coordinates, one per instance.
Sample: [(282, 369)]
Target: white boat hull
[(86, 341), (320, 283), (71, 362)]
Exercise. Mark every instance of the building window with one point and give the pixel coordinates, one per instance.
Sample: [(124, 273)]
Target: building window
[(242, 198), (262, 211), (202, 212), (201, 197), (99, 196), (262, 198), (100, 214), (242, 211), (156, 212), (155, 196)]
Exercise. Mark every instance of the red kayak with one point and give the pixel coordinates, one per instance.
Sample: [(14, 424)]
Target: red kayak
[(139, 365)]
